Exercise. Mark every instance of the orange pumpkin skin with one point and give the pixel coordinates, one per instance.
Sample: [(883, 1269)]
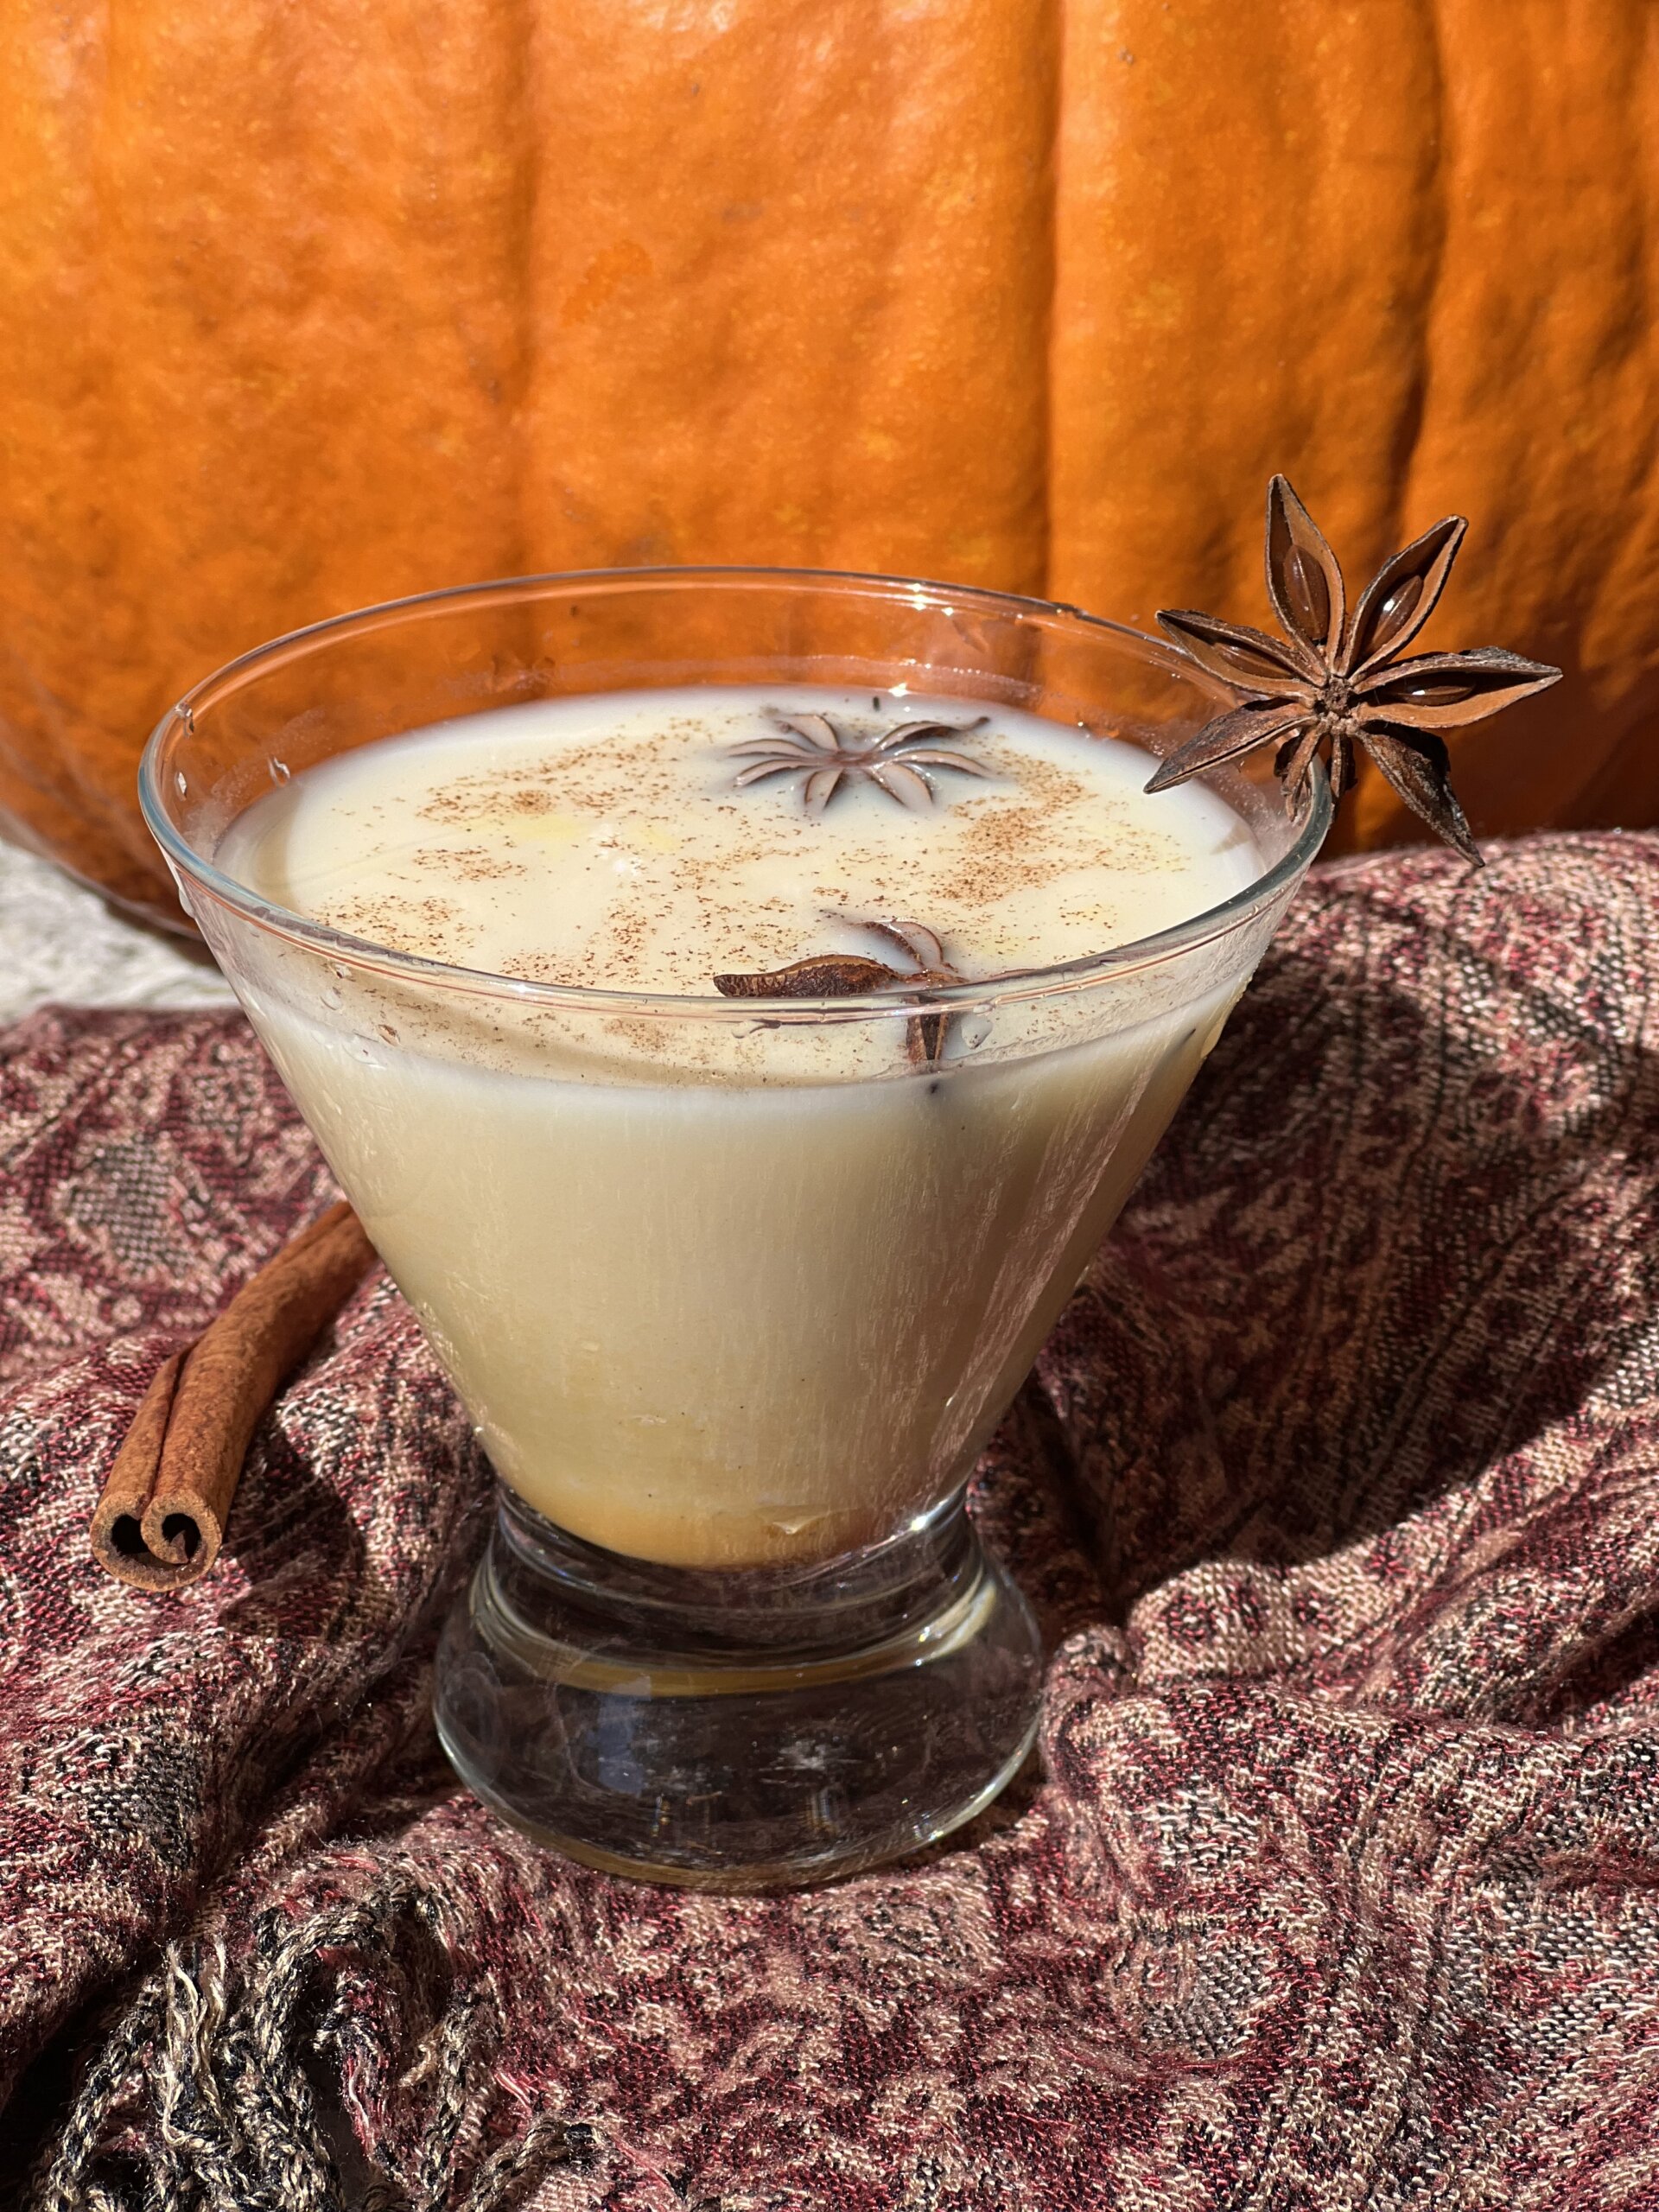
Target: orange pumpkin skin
[(312, 307)]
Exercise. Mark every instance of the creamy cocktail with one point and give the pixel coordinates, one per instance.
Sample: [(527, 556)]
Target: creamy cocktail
[(718, 1294), (737, 1003)]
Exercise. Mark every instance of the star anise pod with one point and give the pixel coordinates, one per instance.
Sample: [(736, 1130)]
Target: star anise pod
[(818, 749), (845, 975), (1339, 682)]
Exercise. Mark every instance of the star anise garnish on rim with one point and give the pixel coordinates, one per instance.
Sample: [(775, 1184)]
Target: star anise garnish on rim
[(846, 974), (824, 754), (1338, 683)]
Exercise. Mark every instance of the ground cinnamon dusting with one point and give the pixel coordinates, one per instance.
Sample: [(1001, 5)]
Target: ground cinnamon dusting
[(641, 842)]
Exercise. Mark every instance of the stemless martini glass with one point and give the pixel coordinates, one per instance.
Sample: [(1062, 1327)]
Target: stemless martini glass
[(734, 1291)]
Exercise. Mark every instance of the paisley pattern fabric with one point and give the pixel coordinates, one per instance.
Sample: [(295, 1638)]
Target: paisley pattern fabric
[(1337, 1489)]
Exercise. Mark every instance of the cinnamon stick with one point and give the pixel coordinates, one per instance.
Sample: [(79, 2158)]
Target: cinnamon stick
[(161, 1519)]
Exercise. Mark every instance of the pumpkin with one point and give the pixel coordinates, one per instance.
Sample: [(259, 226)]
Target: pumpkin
[(310, 307)]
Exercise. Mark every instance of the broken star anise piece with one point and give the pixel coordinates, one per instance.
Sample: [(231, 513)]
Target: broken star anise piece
[(822, 754), (1337, 683), (844, 974)]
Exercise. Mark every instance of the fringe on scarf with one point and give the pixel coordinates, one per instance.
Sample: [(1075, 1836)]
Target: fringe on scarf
[(204, 2096)]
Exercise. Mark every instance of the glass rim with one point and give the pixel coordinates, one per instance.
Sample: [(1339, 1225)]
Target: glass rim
[(323, 939)]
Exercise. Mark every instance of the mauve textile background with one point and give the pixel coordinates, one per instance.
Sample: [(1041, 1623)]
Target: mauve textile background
[(1336, 1489)]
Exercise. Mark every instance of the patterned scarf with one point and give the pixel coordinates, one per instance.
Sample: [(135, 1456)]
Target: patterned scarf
[(1337, 1489)]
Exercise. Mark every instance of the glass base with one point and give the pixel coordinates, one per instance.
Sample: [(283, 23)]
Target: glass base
[(739, 1730)]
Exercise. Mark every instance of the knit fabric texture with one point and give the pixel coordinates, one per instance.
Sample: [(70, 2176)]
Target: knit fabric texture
[(1336, 1492)]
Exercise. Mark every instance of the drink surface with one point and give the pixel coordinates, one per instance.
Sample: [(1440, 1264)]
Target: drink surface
[(641, 842), (719, 1291)]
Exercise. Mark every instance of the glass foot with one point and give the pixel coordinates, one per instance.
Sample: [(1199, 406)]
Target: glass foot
[(739, 1730)]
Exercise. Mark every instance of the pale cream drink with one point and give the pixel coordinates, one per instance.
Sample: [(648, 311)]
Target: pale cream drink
[(737, 1002), (738, 1289)]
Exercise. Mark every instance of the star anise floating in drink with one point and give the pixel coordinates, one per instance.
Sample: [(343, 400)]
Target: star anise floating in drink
[(824, 755), (846, 975), (1338, 681)]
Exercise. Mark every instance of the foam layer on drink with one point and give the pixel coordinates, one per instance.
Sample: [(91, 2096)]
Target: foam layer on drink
[(609, 841)]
